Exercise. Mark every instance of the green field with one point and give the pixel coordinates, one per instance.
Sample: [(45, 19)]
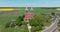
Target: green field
[(7, 16)]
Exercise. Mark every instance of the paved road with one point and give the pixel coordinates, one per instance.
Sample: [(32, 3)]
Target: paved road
[(53, 26), (55, 30)]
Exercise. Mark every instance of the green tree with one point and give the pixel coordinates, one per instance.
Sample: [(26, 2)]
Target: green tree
[(19, 20), (37, 22)]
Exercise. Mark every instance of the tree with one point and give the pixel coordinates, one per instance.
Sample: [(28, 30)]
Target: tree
[(33, 29), (53, 13), (19, 22), (37, 23)]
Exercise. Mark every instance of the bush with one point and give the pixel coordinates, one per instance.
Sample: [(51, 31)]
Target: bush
[(39, 21), (53, 13), (18, 22), (33, 29), (37, 28)]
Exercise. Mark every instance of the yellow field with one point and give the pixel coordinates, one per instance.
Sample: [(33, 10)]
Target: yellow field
[(58, 9), (9, 9)]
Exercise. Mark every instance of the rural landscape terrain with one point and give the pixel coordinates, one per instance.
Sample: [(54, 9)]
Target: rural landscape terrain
[(12, 19)]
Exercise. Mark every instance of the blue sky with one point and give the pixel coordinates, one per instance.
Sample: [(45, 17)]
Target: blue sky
[(34, 3)]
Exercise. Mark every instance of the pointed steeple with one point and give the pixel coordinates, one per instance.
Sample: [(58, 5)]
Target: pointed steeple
[(31, 9), (31, 13), (26, 14), (26, 9)]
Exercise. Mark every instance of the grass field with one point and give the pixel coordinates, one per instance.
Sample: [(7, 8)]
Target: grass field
[(12, 15)]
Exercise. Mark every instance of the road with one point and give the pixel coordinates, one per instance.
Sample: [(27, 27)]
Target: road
[(55, 30), (29, 26), (53, 26)]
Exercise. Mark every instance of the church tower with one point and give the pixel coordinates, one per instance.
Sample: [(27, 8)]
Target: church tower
[(31, 13)]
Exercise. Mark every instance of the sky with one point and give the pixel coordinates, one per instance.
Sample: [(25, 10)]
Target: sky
[(33, 3)]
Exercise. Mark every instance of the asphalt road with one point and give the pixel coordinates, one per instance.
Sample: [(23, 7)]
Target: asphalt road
[(53, 26)]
